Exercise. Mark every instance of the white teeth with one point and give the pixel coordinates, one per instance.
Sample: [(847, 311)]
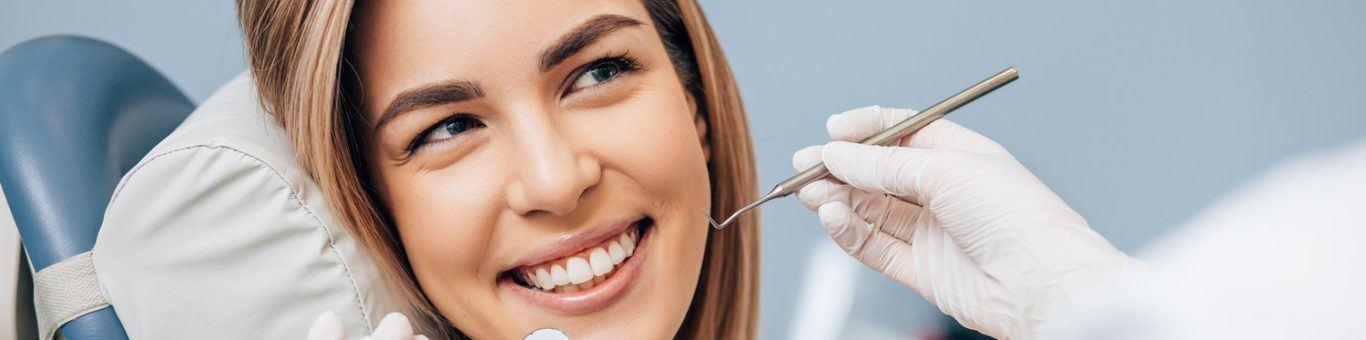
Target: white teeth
[(579, 271), (600, 261), (558, 276), (627, 244), (543, 280), (584, 271), (618, 255)]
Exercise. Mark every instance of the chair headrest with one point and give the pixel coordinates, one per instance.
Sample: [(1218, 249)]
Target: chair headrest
[(219, 233)]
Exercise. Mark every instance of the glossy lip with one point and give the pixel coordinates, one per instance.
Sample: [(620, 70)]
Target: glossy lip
[(573, 243), (596, 298)]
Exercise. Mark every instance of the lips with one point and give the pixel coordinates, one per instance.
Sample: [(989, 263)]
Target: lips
[(581, 271), (589, 277)]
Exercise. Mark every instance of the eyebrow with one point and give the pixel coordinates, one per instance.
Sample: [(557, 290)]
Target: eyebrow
[(456, 91), (581, 37)]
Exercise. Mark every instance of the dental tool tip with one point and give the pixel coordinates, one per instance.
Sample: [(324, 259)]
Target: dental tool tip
[(776, 193), (713, 221)]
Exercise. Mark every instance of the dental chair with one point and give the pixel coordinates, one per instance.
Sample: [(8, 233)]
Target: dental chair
[(145, 216), (75, 115)]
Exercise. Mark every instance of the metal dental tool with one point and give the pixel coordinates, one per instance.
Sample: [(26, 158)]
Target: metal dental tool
[(888, 136)]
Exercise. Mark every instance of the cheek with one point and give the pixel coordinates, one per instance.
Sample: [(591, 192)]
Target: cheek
[(651, 138), (652, 141), (445, 221)]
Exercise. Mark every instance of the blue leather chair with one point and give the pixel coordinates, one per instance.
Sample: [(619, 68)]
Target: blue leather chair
[(75, 115)]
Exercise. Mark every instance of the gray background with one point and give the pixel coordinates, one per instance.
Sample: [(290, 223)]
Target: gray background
[(1137, 113)]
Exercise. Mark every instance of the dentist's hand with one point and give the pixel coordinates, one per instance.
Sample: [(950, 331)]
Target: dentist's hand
[(394, 326), (954, 216)]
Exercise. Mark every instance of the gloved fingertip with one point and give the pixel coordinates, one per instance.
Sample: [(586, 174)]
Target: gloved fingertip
[(420, 337), (834, 214), (394, 326), (806, 157), (392, 318), (328, 317), (838, 153), (846, 229), (855, 112), (817, 193), (845, 125), (328, 326)]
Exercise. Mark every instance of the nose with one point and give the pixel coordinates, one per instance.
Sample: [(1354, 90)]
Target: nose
[(552, 174)]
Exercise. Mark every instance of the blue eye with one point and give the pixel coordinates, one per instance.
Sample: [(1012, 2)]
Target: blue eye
[(602, 71), (449, 128)]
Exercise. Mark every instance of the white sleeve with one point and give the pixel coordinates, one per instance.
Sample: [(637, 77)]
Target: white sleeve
[(1280, 258)]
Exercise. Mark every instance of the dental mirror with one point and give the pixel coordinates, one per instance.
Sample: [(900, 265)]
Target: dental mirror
[(547, 334)]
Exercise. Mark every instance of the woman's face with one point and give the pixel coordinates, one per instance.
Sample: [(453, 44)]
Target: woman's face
[(541, 159)]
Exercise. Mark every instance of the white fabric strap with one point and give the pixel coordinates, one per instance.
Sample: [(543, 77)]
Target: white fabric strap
[(64, 291)]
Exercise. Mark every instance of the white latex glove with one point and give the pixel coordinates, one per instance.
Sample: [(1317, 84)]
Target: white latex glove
[(394, 326), (992, 246)]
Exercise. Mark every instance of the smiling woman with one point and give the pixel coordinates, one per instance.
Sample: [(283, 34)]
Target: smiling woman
[(526, 164)]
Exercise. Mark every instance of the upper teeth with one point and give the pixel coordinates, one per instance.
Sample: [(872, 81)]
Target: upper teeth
[(583, 270)]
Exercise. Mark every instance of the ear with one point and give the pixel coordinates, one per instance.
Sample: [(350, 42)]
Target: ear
[(700, 123)]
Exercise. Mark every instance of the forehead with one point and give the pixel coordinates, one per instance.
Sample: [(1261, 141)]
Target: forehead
[(397, 44)]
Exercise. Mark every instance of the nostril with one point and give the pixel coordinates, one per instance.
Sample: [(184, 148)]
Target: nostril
[(551, 173)]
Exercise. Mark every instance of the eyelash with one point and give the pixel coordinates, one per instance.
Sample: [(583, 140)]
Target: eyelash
[(462, 118), (621, 63)]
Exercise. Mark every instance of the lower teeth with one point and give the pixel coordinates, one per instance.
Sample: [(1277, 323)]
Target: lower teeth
[(634, 236)]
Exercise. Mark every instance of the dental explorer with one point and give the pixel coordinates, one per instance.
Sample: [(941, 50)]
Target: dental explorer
[(888, 136)]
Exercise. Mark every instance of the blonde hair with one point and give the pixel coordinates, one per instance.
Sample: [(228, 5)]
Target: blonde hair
[(297, 51)]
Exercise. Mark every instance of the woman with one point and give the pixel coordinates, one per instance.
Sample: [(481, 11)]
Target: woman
[(541, 164), (517, 165)]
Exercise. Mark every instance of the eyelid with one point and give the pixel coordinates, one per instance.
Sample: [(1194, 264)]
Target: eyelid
[(437, 154), (416, 143), (420, 141), (629, 65)]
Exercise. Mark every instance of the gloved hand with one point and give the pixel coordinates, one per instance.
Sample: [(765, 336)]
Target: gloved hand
[(955, 217), (394, 326)]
